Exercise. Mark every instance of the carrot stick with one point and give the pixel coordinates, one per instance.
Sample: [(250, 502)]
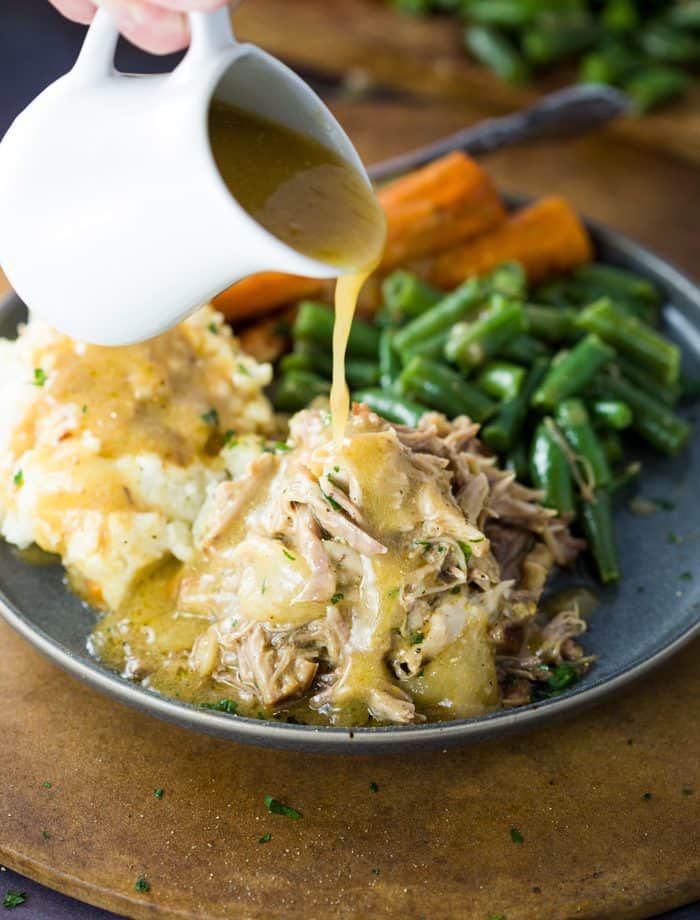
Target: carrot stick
[(431, 209), (546, 238)]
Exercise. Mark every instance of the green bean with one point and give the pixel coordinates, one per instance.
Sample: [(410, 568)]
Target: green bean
[(295, 362), (516, 461), (664, 43), (596, 518), (620, 16), (433, 347), (562, 37), (509, 279), (609, 64), (633, 338), (406, 296), (361, 374), (440, 318), (439, 387), (616, 282), (653, 86), (472, 343), (509, 14), (501, 434), (575, 424), (572, 373), (296, 389), (523, 349), (550, 470), (554, 324), (313, 356), (667, 394), (314, 323), (497, 52), (391, 407), (389, 361), (611, 413), (611, 442), (501, 379), (652, 420), (556, 293)]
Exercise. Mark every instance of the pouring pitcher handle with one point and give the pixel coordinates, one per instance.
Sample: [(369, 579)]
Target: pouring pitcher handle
[(96, 58)]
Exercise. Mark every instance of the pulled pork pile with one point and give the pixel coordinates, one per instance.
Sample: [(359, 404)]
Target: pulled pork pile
[(391, 579)]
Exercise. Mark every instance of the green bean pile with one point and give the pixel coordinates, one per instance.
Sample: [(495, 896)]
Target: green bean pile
[(646, 47), (555, 376)]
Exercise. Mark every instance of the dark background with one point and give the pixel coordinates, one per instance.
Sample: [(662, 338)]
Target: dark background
[(36, 46)]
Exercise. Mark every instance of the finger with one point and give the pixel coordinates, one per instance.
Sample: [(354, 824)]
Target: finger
[(151, 27), (191, 6), (77, 10)]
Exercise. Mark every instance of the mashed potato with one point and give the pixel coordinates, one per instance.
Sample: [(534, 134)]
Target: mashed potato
[(107, 455)]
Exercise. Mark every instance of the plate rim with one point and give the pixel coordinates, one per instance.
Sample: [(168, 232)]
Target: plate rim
[(384, 739)]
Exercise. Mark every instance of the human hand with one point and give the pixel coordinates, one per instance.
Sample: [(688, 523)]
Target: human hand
[(158, 26)]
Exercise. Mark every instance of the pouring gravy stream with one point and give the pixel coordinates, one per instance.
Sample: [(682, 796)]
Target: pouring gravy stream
[(311, 199)]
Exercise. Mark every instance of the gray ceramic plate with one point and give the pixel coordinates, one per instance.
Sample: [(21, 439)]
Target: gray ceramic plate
[(649, 617)]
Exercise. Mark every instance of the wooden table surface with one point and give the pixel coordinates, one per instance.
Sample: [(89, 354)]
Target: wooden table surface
[(434, 840)]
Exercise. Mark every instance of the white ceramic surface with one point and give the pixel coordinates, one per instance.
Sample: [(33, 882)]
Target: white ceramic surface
[(114, 221)]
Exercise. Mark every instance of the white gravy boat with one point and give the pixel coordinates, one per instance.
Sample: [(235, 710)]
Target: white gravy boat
[(114, 221)]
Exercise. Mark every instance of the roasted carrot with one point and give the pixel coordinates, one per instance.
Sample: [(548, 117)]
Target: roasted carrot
[(546, 238), (444, 203), (448, 201), (261, 293)]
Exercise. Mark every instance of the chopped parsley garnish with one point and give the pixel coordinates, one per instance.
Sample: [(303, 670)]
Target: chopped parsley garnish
[(230, 438), (422, 543), (159, 793), (282, 447), (561, 677), (46, 835), (83, 409), (394, 592), (213, 328), (376, 871), (337, 598), (646, 796), (516, 836), (211, 418), (466, 550), (330, 501), (673, 538), (374, 787), (242, 369), (275, 807), (497, 917), (47, 784), (456, 589), (18, 478), (229, 706), (142, 884), (686, 576), (39, 377), (289, 555), (266, 838), (336, 469), (13, 899), (416, 638), (687, 790)]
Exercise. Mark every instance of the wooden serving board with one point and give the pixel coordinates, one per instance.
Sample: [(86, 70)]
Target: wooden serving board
[(434, 840), (376, 46)]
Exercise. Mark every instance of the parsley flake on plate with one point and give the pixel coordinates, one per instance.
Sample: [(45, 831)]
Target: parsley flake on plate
[(142, 884), (210, 417), (516, 836), (159, 793), (18, 478), (39, 377), (275, 807), (266, 838), (229, 706), (374, 787), (13, 899)]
